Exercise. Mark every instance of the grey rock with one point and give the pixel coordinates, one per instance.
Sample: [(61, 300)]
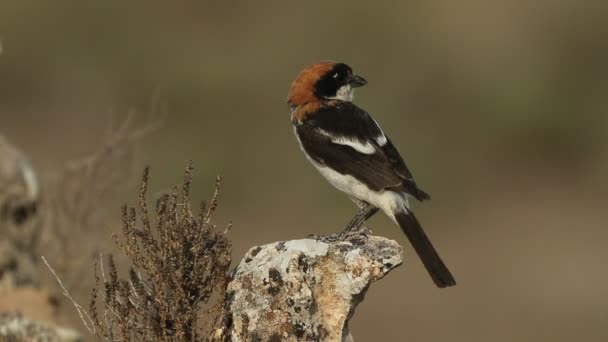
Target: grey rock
[(17, 267), (19, 186), (305, 290), (16, 328), (19, 221)]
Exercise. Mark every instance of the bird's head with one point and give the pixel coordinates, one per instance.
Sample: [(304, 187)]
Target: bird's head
[(324, 81)]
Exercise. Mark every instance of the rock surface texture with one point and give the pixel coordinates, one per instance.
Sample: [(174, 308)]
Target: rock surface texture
[(16, 328), (305, 290)]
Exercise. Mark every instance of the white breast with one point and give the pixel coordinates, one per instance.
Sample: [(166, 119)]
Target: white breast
[(388, 201)]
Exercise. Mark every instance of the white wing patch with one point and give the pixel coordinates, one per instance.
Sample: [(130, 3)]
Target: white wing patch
[(365, 148), (381, 140)]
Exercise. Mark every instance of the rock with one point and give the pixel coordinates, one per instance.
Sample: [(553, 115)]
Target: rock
[(16, 328), (16, 266), (305, 290), (19, 187), (19, 197)]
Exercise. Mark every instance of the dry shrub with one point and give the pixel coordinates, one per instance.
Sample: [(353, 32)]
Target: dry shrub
[(179, 261)]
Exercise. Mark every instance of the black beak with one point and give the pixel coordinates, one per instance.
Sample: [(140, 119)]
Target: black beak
[(356, 81)]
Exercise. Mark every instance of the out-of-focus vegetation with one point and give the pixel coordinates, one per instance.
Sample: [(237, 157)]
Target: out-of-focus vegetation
[(499, 107)]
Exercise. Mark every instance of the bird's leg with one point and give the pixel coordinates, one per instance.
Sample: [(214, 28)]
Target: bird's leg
[(365, 212), (353, 229)]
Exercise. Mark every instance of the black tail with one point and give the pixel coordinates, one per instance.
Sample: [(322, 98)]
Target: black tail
[(425, 250)]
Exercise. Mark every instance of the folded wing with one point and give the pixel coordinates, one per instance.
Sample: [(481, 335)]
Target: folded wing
[(347, 139)]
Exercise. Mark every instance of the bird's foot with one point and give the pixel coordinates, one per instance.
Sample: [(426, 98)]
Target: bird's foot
[(331, 238), (359, 232), (362, 233)]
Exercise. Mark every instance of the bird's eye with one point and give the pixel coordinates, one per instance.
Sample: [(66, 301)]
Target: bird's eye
[(336, 75)]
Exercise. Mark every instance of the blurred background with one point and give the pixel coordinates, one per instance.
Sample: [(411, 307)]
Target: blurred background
[(500, 109)]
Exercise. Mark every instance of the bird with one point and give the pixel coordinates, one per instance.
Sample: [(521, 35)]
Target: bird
[(348, 147)]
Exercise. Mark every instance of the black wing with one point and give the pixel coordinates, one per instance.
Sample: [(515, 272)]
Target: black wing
[(379, 166)]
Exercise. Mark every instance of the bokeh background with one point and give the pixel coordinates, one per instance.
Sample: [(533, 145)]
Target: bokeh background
[(499, 107)]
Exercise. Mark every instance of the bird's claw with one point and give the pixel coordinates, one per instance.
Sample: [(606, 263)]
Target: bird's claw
[(362, 231), (346, 235)]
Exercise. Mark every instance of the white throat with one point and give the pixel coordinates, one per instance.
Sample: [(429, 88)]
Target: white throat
[(345, 93)]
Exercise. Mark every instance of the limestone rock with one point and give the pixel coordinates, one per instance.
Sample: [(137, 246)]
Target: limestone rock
[(305, 290)]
